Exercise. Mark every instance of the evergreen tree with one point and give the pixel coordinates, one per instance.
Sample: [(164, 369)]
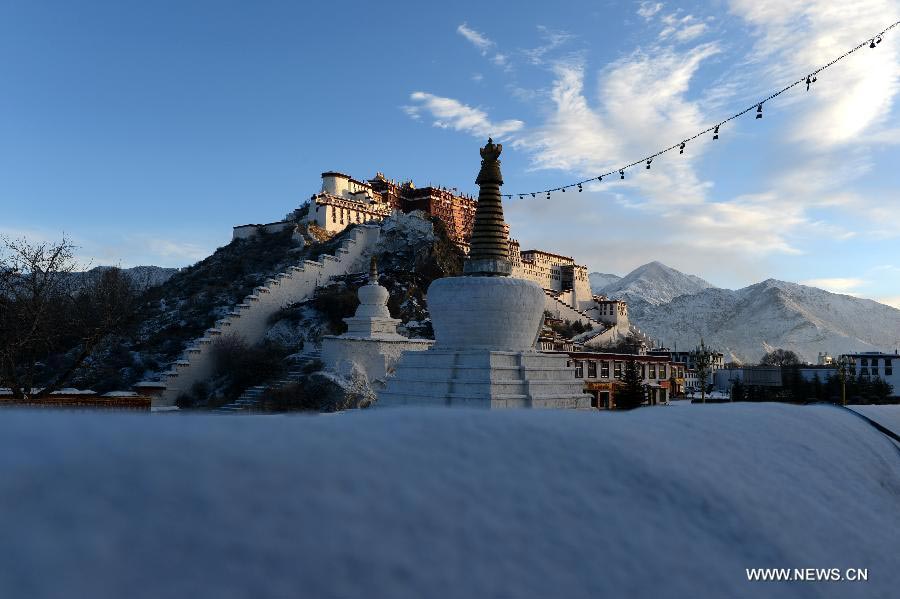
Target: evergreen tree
[(702, 358), (738, 391), (630, 394), (881, 390), (817, 390)]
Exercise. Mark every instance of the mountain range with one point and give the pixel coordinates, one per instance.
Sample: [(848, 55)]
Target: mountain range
[(679, 309), (143, 277)]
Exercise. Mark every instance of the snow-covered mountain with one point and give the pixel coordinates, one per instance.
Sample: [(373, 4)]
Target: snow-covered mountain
[(143, 277), (746, 323), (599, 280), (150, 276), (653, 283), (678, 309)]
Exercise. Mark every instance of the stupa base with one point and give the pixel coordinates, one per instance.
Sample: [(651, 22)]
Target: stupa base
[(481, 378)]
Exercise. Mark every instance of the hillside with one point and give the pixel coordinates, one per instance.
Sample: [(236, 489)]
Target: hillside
[(746, 323), (599, 280), (412, 252), (678, 309)]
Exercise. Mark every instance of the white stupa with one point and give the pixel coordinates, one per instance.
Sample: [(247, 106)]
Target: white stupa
[(371, 344), (485, 328)]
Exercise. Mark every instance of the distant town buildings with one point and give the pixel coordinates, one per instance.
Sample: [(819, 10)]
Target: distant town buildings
[(688, 360), (602, 374)]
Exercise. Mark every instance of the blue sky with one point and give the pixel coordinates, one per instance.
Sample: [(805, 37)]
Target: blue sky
[(145, 130)]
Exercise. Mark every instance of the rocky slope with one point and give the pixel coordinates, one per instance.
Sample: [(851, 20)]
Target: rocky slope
[(412, 252)]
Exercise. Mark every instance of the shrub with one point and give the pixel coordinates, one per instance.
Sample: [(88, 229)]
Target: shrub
[(241, 365), (336, 302)]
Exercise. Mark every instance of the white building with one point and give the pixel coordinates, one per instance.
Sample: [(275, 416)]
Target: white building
[(344, 201), (877, 364), (553, 272)]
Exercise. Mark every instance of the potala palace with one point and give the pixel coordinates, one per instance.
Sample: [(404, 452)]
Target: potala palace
[(343, 201)]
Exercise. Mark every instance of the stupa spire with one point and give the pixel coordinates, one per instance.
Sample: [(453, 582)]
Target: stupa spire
[(489, 246), (373, 271)]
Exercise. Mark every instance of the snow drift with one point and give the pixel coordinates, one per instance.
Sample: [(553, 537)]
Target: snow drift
[(446, 503)]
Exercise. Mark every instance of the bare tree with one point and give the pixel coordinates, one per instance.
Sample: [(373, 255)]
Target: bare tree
[(49, 310)]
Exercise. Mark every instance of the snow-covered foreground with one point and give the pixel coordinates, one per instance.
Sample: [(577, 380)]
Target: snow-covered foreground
[(446, 503), (887, 416)]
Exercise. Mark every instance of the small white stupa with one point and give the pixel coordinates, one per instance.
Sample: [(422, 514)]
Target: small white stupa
[(371, 344), (485, 328)]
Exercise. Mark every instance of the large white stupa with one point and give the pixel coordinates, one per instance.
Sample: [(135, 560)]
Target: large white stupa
[(485, 327)]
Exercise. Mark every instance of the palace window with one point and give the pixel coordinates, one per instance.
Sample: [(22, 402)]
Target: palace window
[(579, 369), (617, 370), (604, 369), (333, 214), (662, 371), (592, 370), (864, 361), (652, 368)]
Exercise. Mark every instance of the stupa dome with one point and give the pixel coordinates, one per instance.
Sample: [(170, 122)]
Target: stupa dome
[(373, 297)]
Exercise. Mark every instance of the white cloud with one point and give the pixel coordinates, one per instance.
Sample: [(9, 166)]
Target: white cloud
[(483, 44), (847, 286), (640, 102), (477, 39), (682, 29), (893, 301), (795, 37), (648, 9), (645, 100), (453, 114), (552, 39)]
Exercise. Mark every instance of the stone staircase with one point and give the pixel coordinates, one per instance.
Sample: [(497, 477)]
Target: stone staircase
[(509, 379), (252, 397), (562, 310), (248, 400), (249, 319)]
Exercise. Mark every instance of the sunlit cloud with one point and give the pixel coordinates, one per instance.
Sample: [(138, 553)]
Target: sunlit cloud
[(453, 114), (847, 286)]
